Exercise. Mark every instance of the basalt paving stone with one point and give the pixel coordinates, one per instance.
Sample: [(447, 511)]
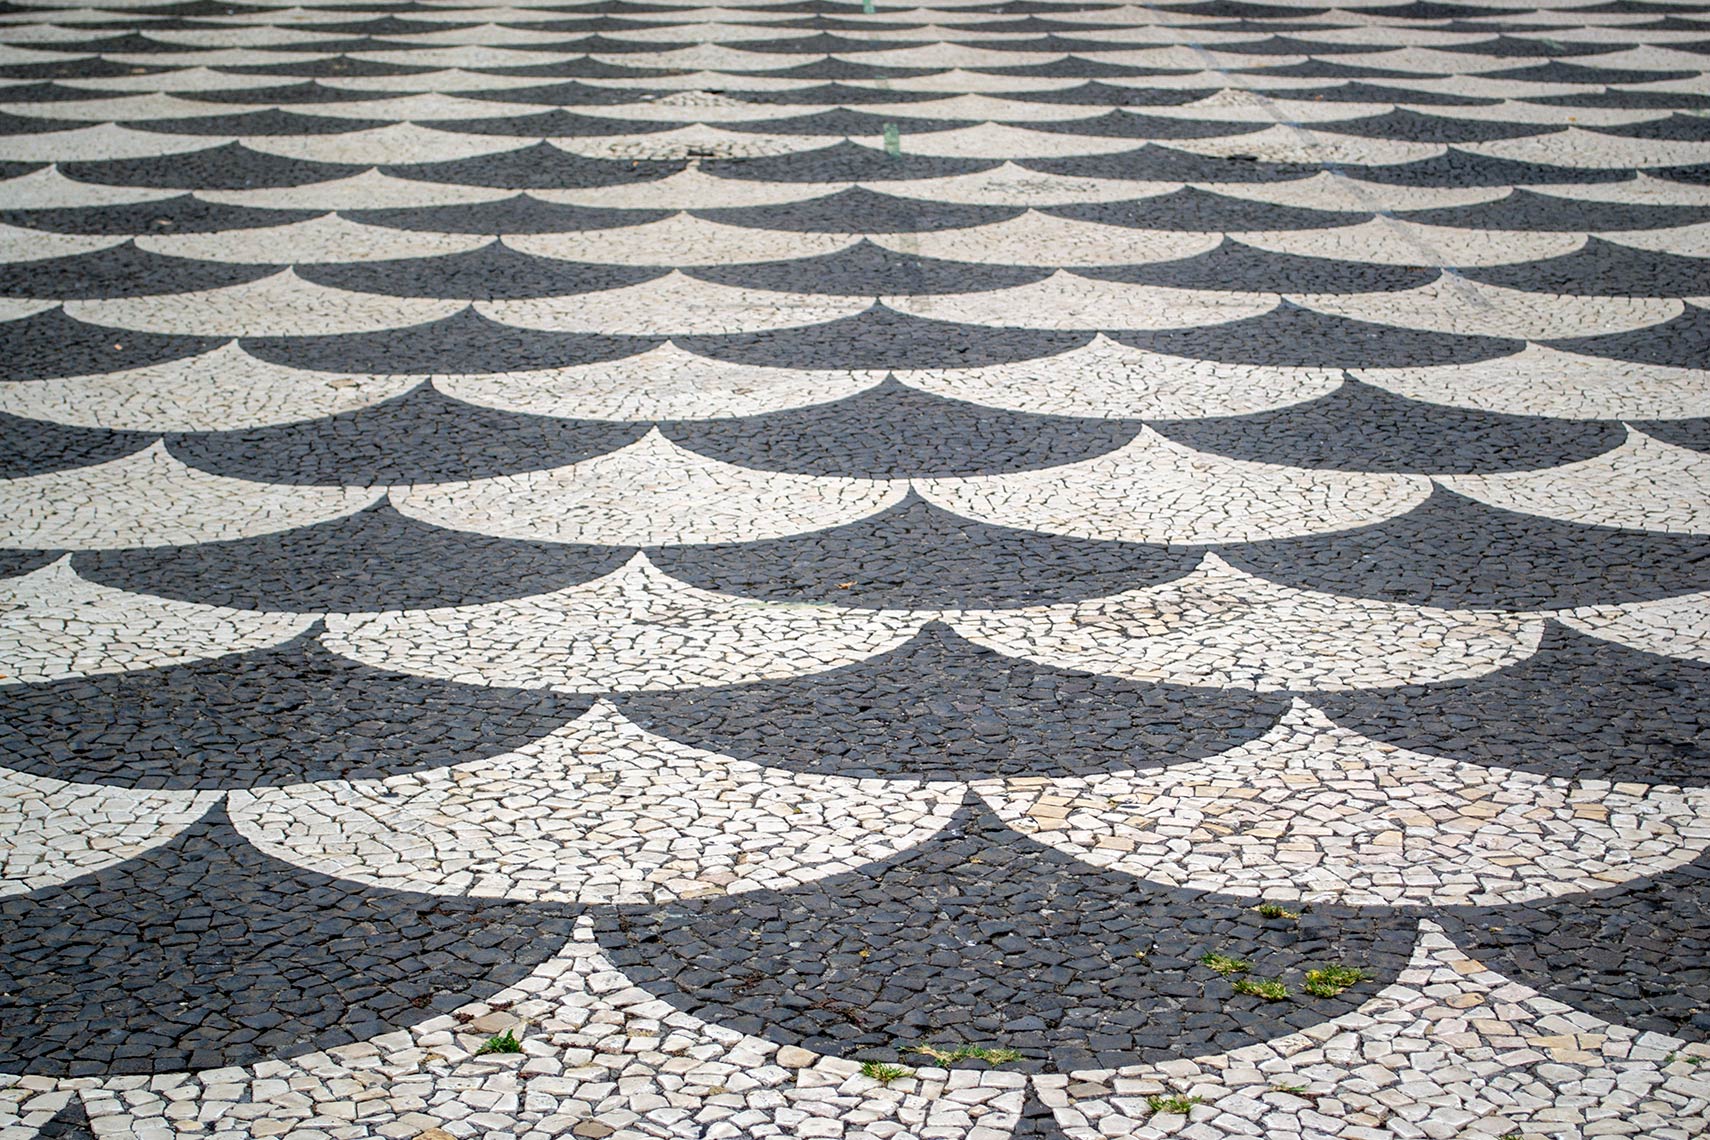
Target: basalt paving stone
[(121, 271), (1291, 335), (1696, 175), (27, 125), (942, 708), (1625, 98), (1461, 168), (252, 123), (865, 269), (844, 121), (882, 338), (89, 67), (980, 934), (1360, 427), (1580, 708), (1534, 212), (548, 124), (325, 67), (850, 162), (205, 952), (892, 432), (1357, 91), (465, 342), (1096, 93), (271, 716), (494, 272), (919, 556), (1591, 73), (1416, 126), (1602, 268), (1453, 551), (1152, 163), (522, 214), (69, 1123), (1193, 209), (1234, 265), (375, 559), (1682, 128), (1682, 342), (567, 94), (422, 436), (31, 447), (181, 214), (1638, 957), (14, 562), (1693, 433), (231, 166), (538, 167), (1134, 125), (50, 344)]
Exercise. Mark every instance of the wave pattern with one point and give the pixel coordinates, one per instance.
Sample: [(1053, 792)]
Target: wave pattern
[(1048, 568)]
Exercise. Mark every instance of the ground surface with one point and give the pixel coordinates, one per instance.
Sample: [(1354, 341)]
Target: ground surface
[(1168, 544)]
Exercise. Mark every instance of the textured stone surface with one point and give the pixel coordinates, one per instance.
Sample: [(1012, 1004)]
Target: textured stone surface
[(1054, 569)]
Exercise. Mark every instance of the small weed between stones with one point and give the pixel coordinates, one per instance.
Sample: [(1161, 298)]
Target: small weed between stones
[(1276, 910), (505, 1042), (1330, 981), (1225, 965), (1175, 1105), (884, 1074), (991, 1056), (1262, 988)]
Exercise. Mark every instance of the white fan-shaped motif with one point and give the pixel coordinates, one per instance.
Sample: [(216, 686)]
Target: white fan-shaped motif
[(97, 144), (1219, 626), (56, 831), (1044, 239), (54, 624), (151, 499), (692, 190), (673, 305), (369, 190), (1153, 490), (1313, 812), (281, 305), (664, 383), (1645, 483), (397, 143), (634, 629), (1065, 301), (222, 390), (1542, 381), (680, 240), (1596, 151), (1673, 627), (1107, 379), (651, 493), (1453, 304), (328, 238), (600, 811), (1388, 241)]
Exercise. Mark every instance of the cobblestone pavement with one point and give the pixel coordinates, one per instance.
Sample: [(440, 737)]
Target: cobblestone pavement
[(1054, 569)]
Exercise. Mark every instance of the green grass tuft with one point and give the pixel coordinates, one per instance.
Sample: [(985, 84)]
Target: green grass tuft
[(505, 1042), (1177, 1105), (1330, 981), (1262, 988), (988, 1054), (883, 1073), (1225, 965)]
